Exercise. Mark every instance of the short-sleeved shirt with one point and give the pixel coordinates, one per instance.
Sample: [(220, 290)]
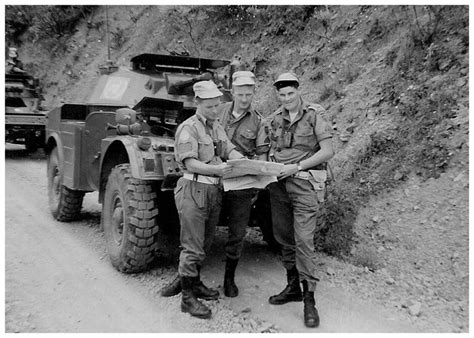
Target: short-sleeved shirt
[(297, 140), (196, 139), (245, 132)]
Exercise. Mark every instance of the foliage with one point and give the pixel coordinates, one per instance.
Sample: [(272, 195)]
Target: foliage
[(335, 230), (426, 31), (17, 21), (183, 22), (424, 87), (46, 23), (366, 256), (119, 37), (330, 89)]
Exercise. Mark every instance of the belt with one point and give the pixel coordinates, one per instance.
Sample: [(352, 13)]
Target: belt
[(202, 178), (304, 175)]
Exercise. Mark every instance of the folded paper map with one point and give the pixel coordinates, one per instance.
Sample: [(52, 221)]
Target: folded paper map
[(243, 167), (247, 182), (251, 174)]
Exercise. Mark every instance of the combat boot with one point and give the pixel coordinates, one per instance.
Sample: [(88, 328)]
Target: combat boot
[(311, 316), (292, 292), (189, 303), (230, 289), (202, 291), (172, 289)]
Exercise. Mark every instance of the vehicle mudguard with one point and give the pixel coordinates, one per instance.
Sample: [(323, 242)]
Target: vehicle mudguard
[(54, 140), (116, 150)]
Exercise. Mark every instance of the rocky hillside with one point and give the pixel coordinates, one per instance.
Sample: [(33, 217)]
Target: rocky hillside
[(394, 81)]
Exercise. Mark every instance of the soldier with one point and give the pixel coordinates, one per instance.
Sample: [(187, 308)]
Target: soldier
[(14, 64), (300, 139), (242, 124), (201, 145)]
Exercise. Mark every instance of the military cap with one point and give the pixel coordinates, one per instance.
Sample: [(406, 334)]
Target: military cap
[(206, 90), (285, 77), (243, 78)]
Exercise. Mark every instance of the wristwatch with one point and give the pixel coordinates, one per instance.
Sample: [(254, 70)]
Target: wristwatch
[(299, 167)]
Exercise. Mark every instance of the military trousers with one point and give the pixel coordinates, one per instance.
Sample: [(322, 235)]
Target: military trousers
[(236, 209), (199, 206), (294, 207)]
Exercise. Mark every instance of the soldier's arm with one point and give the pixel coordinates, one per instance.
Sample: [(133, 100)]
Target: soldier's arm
[(323, 155), (323, 132), (195, 166), (235, 155)]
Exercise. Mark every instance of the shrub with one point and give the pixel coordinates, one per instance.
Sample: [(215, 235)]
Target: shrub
[(328, 91), (365, 256), (17, 21), (47, 23), (335, 224), (119, 38), (339, 44), (318, 76)]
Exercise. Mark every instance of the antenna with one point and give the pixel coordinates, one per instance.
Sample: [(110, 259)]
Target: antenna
[(109, 66), (107, 31)]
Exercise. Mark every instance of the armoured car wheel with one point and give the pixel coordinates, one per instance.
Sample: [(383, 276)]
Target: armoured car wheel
[(129, 220), (64, 203)]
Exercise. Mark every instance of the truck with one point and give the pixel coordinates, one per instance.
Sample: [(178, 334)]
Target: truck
[(24, 115), (120, 143)]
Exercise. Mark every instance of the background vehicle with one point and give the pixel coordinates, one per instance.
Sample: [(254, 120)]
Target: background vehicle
[(125, 154), (24, 117)]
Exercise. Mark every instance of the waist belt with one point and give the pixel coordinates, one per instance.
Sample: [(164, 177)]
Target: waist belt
[(202, 178), (312, 175), (304, 175)]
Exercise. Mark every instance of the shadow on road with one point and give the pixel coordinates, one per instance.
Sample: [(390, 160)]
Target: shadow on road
[(17, 151)]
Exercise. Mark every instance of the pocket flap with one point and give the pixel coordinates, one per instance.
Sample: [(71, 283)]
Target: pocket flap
[(248, 134)]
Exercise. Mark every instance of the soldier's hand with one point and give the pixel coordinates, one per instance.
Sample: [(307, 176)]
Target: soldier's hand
[(223, 169), (288, 170)]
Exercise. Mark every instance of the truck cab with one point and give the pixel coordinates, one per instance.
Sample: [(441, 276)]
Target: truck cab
[(24, 117)]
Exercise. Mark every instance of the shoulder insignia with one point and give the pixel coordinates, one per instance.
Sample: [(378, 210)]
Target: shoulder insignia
[(184, 135), (316, 107)]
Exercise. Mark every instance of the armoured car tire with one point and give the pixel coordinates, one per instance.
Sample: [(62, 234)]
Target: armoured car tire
[(129, 220), (65, 204)]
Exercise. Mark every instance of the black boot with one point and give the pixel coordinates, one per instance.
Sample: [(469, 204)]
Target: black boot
[(311, 316), (189, 302), (172, 289), (230, 289), (292, 292), (202, 291)]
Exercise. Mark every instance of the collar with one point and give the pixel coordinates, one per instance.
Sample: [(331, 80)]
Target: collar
[(205, 121), (235, 119), (301, 110), (201, 118)]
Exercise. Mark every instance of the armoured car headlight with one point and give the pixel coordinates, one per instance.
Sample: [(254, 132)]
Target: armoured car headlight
[(144, 143)]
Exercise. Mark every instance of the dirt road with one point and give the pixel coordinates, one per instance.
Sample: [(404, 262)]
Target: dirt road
[(58, 278)]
